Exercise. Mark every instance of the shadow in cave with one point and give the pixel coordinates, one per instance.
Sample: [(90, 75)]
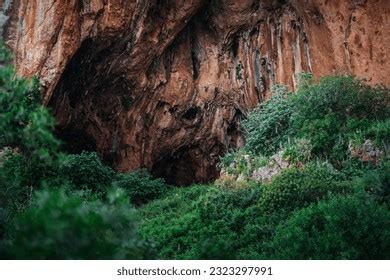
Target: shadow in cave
[(175, 171), (84, 90), (76, 140), (183, 168)]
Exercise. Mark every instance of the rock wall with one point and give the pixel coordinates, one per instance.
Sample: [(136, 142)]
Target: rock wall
[(165, 84)]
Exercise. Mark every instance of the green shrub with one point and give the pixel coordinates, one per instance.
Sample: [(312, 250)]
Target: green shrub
[(200, 222), (377, 183), (296, 188), (39, 141), (267, 127), (26, 132), (380, 132), (227, 160), (15, 193), (172, 223), (321, 133), (205, 222), (342, 228), (214, 248), (299, 151), (141, 186), (63, 226), (338, 106), (328, 114), (86, 171), (227, 206), (27, 127), (241, 162), (21, 164), (345, 96), (235, 227), (5, 55), (19, 107)]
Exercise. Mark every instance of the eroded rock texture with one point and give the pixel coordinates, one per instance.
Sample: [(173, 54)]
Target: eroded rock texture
[(165, 84)]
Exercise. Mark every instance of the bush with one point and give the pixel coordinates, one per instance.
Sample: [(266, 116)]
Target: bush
[(377, 183), (328, 114), (206, 222), (380, 131), (24, 123), (86, 171), (64, 226), (345, 96), (5, 55), (296, 188), (298, 152), (227, 206), (349, 227), (266, 127), (15, 193), (30, 152), (172, 223), (26, 126), (241, 163), (141, 187), (235, 227)]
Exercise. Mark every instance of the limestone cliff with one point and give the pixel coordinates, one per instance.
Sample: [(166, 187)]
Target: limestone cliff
[(165, 84)]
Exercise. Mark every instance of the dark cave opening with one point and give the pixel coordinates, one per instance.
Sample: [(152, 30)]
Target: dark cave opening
[(76, 140), (175, 172), (179, 169), (184, 167), (85, 103)]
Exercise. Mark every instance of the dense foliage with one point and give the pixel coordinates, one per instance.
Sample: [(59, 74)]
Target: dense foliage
[(86, 171), (296, 188), (328, 197), (141, 186), (329, 115), (267, 125), (67, 226), (349, 227)]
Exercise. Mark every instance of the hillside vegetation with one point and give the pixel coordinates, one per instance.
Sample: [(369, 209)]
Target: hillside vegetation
[(312, 182)]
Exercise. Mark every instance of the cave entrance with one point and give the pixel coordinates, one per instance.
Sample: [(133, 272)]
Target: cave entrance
[(88, 104), (84, 141), (175, 170), (184, 167)]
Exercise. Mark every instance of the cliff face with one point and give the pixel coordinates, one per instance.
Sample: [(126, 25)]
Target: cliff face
[(165, 84)]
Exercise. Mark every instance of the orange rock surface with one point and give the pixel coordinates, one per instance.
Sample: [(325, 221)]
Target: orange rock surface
[(165, 84)]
